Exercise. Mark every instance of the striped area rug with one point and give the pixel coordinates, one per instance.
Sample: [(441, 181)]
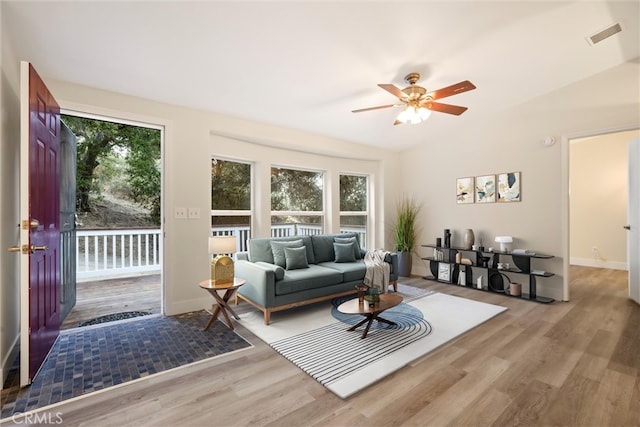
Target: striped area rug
[(315, 338)]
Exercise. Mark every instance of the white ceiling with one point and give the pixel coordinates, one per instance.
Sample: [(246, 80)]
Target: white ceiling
[(306, 65)]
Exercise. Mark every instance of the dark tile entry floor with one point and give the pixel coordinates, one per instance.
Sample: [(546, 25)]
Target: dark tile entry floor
[(97, 357)]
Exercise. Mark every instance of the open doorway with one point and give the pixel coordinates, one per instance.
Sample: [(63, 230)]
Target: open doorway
[(598, 203), (116, 244)]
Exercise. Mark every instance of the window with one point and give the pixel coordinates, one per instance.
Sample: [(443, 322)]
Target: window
[(231, 200), (297, 201), (354, 206)]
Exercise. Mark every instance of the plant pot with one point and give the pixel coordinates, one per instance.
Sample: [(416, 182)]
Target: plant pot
[(405, 260)]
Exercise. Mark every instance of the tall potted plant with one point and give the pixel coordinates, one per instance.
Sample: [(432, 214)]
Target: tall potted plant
[(406, 234)]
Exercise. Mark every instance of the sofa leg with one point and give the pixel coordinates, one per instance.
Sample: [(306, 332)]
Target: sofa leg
[(267, 316), (395, 286)]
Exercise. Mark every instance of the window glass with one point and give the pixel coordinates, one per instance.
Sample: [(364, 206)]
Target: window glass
[(231, 200), (297, 200), (354, 206)]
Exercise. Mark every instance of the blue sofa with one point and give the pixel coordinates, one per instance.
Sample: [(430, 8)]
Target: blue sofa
[(286, 272)]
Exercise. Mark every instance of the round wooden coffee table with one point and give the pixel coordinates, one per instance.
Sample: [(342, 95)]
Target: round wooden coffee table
[(370, 313)]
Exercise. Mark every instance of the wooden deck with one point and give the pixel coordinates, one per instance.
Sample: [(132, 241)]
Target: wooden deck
[(99, 298)]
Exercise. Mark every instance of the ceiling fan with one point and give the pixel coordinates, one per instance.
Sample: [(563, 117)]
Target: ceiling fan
[(419, 103)]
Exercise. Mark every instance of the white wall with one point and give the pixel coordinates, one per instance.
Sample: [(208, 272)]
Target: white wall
[(598, 200), (9, 215), (512, 141), (191, 138)]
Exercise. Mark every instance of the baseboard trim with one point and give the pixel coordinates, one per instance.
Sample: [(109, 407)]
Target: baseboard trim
[(7, 363), (588, 262)]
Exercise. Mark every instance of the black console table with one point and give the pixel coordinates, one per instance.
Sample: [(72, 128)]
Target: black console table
[(447, 270)]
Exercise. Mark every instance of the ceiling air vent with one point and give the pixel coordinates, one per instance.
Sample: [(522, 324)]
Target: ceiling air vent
[(606, 33)]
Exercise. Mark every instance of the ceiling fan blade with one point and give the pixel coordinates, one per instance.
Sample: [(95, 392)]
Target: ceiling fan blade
[(372, 108), (445, 108), (451, 90), (393, 90)]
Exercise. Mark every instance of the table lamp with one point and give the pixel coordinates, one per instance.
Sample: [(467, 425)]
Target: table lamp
[(222, 264), (505, 243)]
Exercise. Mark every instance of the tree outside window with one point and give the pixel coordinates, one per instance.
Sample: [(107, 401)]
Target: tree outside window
[(297, 200)]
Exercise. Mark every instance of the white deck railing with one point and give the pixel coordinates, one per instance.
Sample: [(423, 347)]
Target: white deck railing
[(101, 253), (110, 253)]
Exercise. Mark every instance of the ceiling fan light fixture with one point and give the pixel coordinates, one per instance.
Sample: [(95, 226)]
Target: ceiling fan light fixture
[(413, 115)]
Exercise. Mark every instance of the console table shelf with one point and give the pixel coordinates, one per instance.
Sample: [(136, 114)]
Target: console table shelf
[(446, 270)]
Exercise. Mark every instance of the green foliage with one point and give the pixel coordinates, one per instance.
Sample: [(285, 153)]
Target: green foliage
[(295, 190), (405, 228), (230, 185), (106, 152), (353, 193)]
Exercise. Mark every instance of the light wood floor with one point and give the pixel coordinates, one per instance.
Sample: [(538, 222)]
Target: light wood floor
[(574, 364)]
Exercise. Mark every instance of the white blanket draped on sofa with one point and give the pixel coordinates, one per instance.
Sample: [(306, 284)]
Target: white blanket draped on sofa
[(377, 274)]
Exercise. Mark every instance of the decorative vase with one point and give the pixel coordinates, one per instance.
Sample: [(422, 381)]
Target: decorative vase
[(404, 264), (468, 239)]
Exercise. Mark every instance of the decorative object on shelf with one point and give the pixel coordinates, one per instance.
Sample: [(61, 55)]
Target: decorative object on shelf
[(469, 238), (485, 261), (479, 282), (465, 190), (515, 289), (505, 243), (222, 269), (444, 272), (447, 238), (405, 232), (459, 258), (499, 282), (439, 242), (486, 189), (509, 187)]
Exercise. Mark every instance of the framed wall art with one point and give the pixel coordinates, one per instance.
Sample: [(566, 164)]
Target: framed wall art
[(486, 189), (509, 187), (465, 190)]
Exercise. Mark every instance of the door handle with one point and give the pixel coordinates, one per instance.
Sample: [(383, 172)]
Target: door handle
[(626, 227), (26, 249), (30, 225)]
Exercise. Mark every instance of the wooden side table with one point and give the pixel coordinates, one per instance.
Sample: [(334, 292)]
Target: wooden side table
[(222, 302)]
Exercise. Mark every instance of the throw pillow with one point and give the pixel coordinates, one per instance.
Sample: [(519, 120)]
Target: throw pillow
[(354, 240), (344, 252), (296, 258), (278, 250)]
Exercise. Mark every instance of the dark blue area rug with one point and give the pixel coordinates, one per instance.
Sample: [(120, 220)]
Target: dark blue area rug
[(89, 359)]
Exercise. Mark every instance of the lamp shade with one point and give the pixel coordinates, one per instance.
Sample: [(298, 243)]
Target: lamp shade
[(222, 244), (505, 242)]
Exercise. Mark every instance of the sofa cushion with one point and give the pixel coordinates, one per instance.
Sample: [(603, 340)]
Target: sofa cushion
[(344, 252), (351, 271), (323, 245), (260, 248), (308, 278), (296, 258), (356, 246), (277, 248)]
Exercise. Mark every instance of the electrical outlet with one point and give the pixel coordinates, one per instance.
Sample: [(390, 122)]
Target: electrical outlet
[(193, 213), (180, 213)]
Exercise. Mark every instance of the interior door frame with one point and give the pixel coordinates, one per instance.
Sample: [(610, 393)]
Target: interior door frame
[(565, 175), (127, 118)]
